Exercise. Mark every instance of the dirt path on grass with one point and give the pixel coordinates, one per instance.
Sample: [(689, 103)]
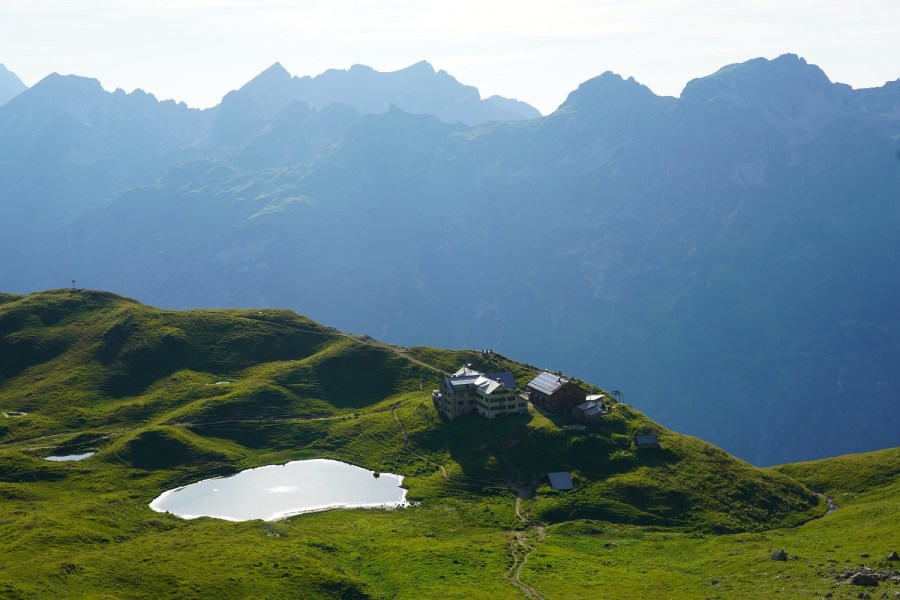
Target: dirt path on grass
[(400, 423), (100, 436), (521, 545), (444, 473), (402, 352), (361, 338)]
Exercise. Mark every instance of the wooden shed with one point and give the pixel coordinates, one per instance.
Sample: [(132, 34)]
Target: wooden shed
[(555, 393)]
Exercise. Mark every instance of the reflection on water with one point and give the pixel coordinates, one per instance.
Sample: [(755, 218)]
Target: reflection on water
[(278, 491), (70, 457)]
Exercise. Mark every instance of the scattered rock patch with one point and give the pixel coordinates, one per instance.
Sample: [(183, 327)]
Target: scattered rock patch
[(864, 576)]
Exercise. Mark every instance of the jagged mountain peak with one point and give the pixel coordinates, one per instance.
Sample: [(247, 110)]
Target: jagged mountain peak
[(611, 96), (606, 88), (272, 90), (787, 83), (276, 72), (5, 72), (53, 95), (423, 66), (10, 85), (787, 69), (418, 88), (422, 69), (272, 79), (68, 84), (80, 96), (276, 67), (71, 121)]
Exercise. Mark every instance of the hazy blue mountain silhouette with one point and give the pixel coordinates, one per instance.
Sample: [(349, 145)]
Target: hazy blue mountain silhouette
[(417, 89), (729, 259), (66, 145), (10, 85)]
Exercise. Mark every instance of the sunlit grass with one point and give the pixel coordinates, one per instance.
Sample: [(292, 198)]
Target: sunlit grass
[(166, 398)]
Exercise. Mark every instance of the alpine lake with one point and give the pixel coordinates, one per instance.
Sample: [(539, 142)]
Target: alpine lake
[(275, 492)]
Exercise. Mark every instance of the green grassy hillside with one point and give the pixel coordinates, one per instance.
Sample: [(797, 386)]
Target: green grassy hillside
[(166, 398), (595, 559)]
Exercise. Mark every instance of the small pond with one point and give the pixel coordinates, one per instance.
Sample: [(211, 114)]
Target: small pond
[(277, 491), (69, 457)]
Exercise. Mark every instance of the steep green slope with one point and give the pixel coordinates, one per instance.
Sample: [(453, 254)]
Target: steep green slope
[(166, 398)]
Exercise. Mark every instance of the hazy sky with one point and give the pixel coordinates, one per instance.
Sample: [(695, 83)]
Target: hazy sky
[(198, 50)]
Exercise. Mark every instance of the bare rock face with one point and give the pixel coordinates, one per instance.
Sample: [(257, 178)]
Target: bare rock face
[(893, 556), (779, 555)]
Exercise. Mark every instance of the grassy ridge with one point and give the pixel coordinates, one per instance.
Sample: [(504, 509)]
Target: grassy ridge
[(166, 398), (582, 558), (850, 474)]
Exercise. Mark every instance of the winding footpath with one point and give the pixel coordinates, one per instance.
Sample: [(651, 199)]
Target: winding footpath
[(521, 545)]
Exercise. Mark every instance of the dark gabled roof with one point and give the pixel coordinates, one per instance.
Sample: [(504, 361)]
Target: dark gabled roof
[(506, 379), (593, 411), (646, 441), (560, 481), (547, 383), (586, 405)]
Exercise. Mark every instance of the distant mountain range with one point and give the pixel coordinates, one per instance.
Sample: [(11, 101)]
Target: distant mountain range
[(728, 259), (417, 89)]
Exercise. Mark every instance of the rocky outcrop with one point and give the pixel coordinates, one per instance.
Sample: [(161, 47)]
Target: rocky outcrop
[(866, 577)]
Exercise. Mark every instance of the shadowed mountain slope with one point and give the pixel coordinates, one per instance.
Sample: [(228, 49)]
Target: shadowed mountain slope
[(726, 258)]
